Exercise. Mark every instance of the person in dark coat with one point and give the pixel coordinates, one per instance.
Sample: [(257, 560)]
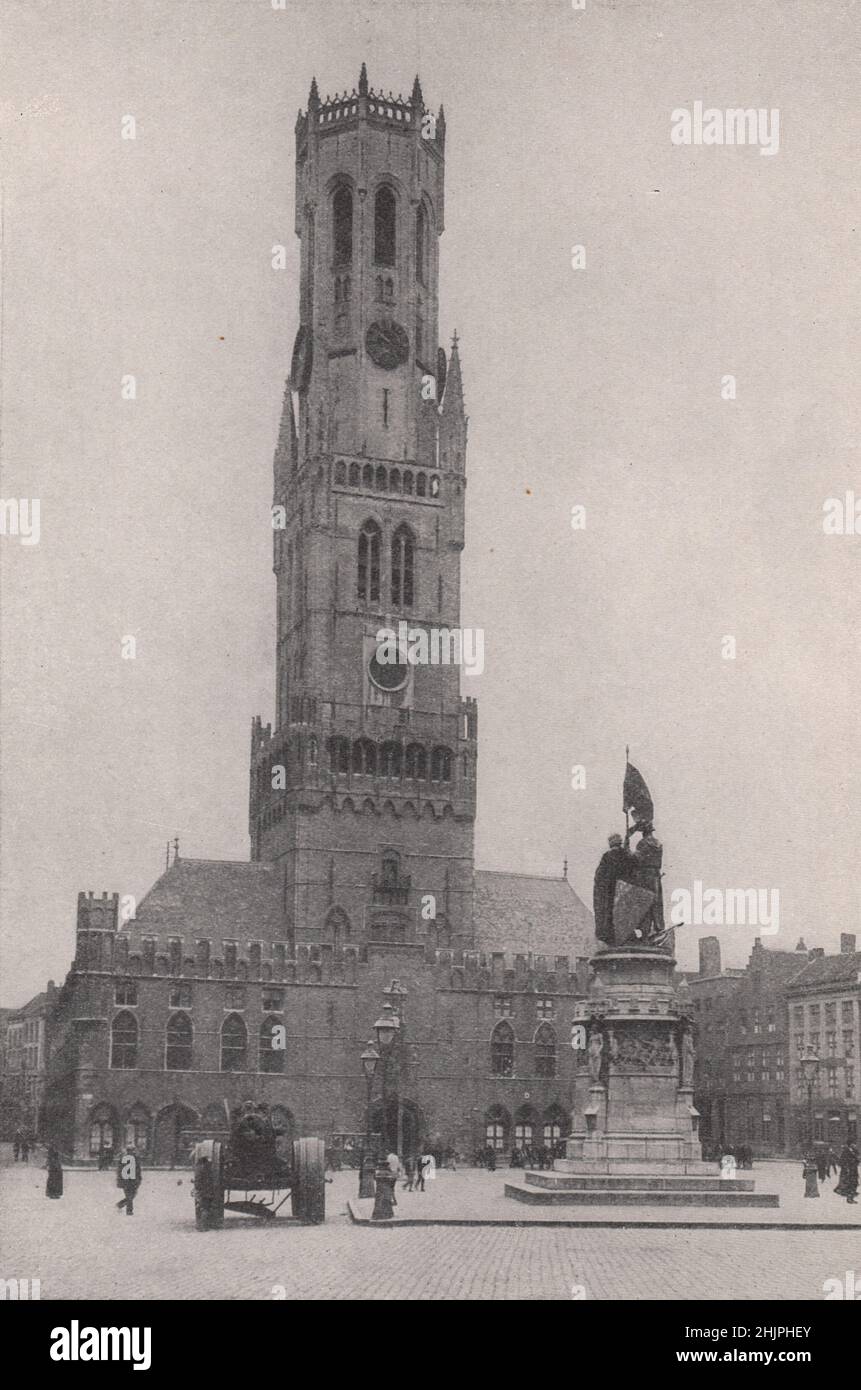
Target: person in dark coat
[(129, 1178), (25, 1147), (616, 864), (409, 1173), (491, 1159), (16, 1144), (848, 1184), (833, 1161), (821, 1162), (54, 1185)]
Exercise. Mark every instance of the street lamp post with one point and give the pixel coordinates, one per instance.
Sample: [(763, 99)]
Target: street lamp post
[(370, 1060), (387, 1029), (809, 1070)]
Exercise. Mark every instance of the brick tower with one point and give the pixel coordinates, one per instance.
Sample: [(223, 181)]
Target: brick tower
[(364, 790)]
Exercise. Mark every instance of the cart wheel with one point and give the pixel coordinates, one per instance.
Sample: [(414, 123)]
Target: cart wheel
[(309, 1180), (208, 1189)]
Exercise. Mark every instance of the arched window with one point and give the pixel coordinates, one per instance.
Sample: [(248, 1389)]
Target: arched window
[(497, 1125), (441, 765), (101, 1130), (524, 1126), (421, 485), (467, 768), (124, 1042), (271, 1045), (408, 483), (369, 757), (390, 760), (403, 557), (312, 751), (367, 476), (395, 480), (416, 762), (177, 1053), (382, 479), (556, 1124), (421, 244), (340, 472), (502, 1050), (342, 225), (234, 1044), (385, 215), (420, 329), (545, 1051), (339, 755), (337, 289), (355, 475), (137, 1127), (434, 486), (389, 291), (379, 289), (368, 572)]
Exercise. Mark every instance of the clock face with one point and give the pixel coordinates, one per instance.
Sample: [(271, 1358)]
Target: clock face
[(300, 365), (389, 675), (388, 344)]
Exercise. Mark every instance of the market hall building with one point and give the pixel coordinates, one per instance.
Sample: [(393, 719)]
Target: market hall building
[(264, 978)]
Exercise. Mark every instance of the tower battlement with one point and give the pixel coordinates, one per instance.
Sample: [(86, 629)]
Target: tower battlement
[(334, 114)]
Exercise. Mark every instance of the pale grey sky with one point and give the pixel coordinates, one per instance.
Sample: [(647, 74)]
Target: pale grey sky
[(600, 386)]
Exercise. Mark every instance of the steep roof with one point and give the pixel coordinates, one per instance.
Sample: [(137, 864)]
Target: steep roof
[(829, 970), (525, 913), (213, 898)]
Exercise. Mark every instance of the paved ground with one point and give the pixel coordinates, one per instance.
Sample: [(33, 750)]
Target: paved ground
[(476, 1196), (80, 1248)]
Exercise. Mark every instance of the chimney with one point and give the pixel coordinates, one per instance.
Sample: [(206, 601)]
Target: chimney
[(847, 943), (801, 946), (709, 955), (816, 953)]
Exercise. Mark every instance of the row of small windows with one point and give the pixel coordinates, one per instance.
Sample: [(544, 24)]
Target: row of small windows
[(502, 1050), (180, 995), (179, 1044), (385, 231), (402, 573), (382, 479), (234, 1052), (365, 758)]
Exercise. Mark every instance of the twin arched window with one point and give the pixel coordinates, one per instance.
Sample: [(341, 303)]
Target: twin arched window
[(342, 225), (385, 221), (403, 565), (545, 1051)]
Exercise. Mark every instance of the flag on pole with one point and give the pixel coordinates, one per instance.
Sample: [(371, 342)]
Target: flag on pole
[(636, 796)]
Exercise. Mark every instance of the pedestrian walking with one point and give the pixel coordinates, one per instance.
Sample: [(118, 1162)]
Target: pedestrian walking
[(54, 1184), (25, 1147), (821, 1163), (423, 1163), (16, 1144), (809, 1172), (409, 1173), (491, 1159), (847, 1186), (129, 1178), (833, 1161)]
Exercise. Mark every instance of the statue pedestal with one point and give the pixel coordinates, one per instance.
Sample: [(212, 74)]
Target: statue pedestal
[(637, 1115)]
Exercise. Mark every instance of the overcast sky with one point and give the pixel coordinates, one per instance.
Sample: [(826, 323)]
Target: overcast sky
[(599, 387)]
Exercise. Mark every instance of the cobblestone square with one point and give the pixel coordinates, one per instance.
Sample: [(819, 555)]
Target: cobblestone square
[(80, 1247)]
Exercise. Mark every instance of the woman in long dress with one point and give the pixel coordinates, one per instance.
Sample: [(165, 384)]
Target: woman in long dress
[(809, 1171), (848, 1185), (54, 1185)]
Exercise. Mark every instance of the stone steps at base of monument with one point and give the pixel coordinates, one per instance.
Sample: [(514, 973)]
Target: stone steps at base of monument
[(639, 1182), (646, 1196)]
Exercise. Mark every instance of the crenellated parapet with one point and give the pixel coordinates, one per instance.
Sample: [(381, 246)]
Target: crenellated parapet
[(503, 973)]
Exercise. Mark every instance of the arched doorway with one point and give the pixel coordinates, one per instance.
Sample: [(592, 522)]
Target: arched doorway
[(410, 1127), (169, 1147)]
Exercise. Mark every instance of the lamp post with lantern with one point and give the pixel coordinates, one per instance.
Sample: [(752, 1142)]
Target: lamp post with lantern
[(370, 1061), (809, 1070)]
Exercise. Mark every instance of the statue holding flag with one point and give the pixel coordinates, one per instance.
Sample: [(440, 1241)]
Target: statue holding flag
[(628, 897)]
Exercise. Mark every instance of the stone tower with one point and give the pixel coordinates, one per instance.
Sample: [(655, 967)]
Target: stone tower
[(364, 789)]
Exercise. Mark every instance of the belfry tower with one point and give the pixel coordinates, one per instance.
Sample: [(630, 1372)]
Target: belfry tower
[(364, 790)]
